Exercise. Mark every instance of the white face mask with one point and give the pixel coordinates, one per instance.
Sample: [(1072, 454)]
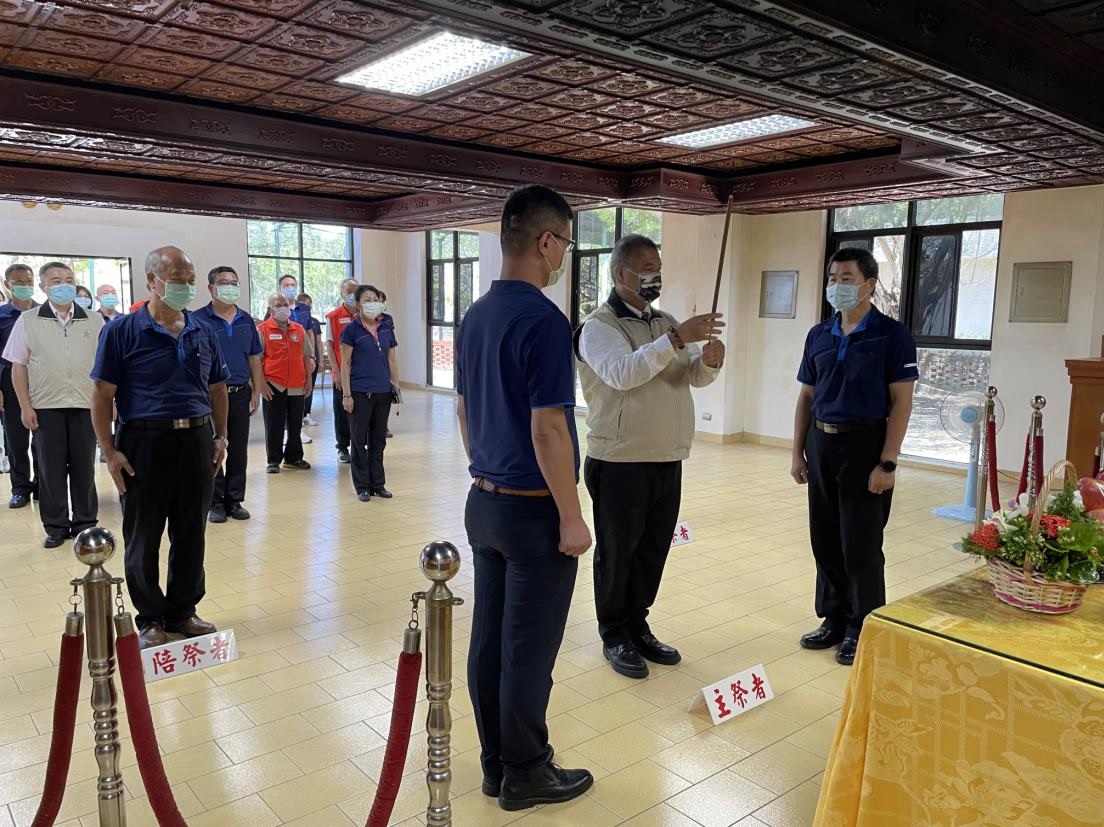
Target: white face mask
[(555, 274), (281, 314), (371, 310)]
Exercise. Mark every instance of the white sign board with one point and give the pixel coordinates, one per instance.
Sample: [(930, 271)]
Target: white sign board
[(737, 693), (682, 535), (189, 655)]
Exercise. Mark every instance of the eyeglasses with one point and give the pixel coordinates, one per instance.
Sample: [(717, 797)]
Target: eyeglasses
[(569, 243)]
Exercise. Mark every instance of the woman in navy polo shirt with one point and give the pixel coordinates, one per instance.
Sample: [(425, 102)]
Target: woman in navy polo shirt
[(368, 369)]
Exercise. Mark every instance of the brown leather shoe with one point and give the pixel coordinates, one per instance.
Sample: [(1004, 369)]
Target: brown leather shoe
[(194, 626), (152, 635)]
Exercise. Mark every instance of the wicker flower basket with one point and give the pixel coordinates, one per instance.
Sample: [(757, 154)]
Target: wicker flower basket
[(1021, 586)]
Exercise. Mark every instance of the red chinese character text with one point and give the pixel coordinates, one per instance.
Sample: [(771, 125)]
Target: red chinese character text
[(164, 661), (192, 653), (220, 649), (723, 711), (757, 687), (683, 533), (739, 695)]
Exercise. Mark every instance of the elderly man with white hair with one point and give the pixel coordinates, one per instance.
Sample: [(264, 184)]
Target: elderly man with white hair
[(164, 371)]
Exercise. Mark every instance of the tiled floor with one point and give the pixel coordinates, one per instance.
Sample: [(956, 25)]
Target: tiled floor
[(317, 587)]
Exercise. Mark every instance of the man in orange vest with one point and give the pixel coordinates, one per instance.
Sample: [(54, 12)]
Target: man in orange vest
[(287, 366), (336, 321)]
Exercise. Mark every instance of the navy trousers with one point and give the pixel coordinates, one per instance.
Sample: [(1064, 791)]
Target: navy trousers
[(523, 588)]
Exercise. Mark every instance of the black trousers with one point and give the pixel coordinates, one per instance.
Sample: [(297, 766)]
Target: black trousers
[(283, 412), (230, 484), (636, 506), (172, 483), (369, 438), (66, 447), (17, 440), (309, 398), (523, 588), (846, 524), (341, 421)]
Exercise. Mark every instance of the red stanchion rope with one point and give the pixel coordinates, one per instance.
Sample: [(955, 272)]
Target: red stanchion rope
[(1037, 483), (65, 719), (398, 738), (1027, 461), (141, 730), (991, 457)]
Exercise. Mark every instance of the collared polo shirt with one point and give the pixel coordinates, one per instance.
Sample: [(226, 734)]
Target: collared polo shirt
[(238, 339), (158, 376), (851, 375), (369, 369), (8, 314), (513, 356)]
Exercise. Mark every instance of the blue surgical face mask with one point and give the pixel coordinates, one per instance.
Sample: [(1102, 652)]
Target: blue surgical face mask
[(22, 292), (178, 296), (63, 293), (289, 293), (84, 301), (843, 297), (110, 301), (349, 299)]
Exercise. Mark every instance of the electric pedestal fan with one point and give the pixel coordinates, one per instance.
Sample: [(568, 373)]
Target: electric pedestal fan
[(962, 415)]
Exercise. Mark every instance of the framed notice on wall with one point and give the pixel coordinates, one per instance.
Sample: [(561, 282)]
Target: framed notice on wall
[(778, 295)]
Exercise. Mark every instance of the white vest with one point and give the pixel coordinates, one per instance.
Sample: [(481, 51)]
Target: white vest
[(61, 358)]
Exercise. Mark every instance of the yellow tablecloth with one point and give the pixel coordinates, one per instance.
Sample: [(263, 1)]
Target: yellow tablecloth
[(963, 712)]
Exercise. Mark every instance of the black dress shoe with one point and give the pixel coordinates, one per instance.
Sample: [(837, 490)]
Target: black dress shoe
[(382, 493), (272, 468), (343, 456), (825, 637), (217, 514), (548, 785), (236, 512), (19, 501), (55, 539), (364, 496), (625, 660), (492, 787), (845, 655), (651, 649)]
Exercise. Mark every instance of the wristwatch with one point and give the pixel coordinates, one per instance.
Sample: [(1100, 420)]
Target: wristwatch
[(888, 466), (222, 439)]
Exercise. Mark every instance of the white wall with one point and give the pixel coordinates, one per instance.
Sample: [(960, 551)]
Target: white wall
[(92, 231)]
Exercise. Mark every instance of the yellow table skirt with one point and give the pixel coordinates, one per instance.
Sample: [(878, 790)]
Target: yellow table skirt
[(947, 722)]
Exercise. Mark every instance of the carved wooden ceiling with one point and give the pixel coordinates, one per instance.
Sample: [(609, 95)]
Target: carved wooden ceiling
[(231, 107)]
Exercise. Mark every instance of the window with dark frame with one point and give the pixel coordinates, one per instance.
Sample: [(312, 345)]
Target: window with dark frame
[(320, 256), (937, 262), (452, 278)]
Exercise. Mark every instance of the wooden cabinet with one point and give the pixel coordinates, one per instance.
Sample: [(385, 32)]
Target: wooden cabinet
[(1086, 406)]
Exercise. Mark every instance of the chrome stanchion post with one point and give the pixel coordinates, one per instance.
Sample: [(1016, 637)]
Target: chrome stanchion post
[(440, 561), (94, 547), (1034, 463), (983, 455)]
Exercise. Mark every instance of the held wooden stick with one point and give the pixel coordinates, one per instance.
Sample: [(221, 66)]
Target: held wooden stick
[(720, 261)]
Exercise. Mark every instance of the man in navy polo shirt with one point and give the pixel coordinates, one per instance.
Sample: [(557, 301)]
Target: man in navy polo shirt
[(516, 398), (19, 279), (857, 377), (164, 371), (241, 348)]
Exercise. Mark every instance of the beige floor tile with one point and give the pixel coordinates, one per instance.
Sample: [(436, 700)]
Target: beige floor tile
[(818, 737), (250, 810), (623, 746), (700, 756), (804, 704), (334, 747), (582, 810), (794, 809), (637, 788), (282, 704), (662, 815), (721, 800), (329, 817), (306, 794), (249, 743), (610, 713), (780, 767), (241, 780)]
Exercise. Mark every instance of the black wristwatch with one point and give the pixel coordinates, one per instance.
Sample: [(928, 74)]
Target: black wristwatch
[(888, 466)]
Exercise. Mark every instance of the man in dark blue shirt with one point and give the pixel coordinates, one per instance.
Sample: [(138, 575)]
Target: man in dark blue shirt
[(516, 389), (241, 348), (164, 371), (857, 376), (314, 334), (19, 280)]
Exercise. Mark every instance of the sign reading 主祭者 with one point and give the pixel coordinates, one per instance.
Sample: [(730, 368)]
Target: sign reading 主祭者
[(737, 694), (189, 655), (682, 535)]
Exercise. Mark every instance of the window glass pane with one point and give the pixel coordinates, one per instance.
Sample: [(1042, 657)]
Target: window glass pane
[(273, 238), (597, 228), (326, 241), (437, 291), (441, 357), (440, 244), (961, 210), (937, 271), (322, 280), (870, 217), (469, 245), (465, 298), (977, 284), (264, 276), (644, 222), (943, 373), (889, 252), (449, 280), (594, 283)]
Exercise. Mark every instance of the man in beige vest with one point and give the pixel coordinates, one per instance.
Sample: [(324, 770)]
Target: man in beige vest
[(637, 365), (51, 349)]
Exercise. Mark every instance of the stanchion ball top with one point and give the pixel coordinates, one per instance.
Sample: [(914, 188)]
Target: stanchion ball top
[(440, 561), (1038, 402), (94, 546)]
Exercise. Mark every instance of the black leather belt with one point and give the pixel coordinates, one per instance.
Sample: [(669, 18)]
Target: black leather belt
[(848, 427), (168, 424), (486, 485), (236, 388)]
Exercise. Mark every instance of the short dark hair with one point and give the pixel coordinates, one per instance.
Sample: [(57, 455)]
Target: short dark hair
[(628, 247), (18, 267), (364, 288), (868, 265), (304, 296), (382, 295), (527, 213), (50, 265), (287, 276), (215, 272)]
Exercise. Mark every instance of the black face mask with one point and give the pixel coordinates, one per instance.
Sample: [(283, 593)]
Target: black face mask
[(651, 284)]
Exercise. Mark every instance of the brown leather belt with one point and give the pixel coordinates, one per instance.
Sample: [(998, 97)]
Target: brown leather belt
[(487, 485)]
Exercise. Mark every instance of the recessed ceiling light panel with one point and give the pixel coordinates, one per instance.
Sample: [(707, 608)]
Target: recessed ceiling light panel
[(431, 64), (731, 133)]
